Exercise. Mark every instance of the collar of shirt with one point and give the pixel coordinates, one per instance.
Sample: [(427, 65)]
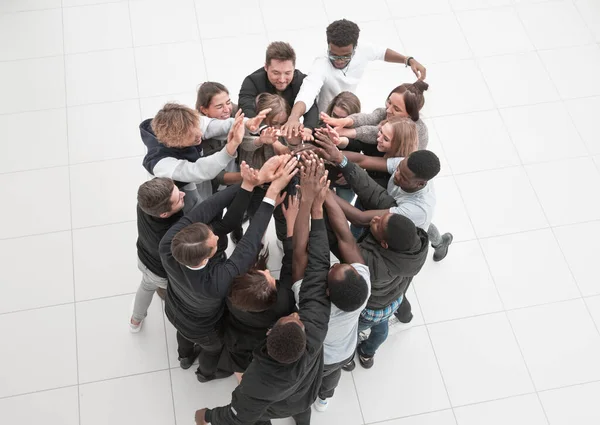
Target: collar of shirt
[(196, 268)]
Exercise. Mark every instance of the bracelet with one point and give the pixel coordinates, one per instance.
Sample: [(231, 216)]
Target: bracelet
[(407, 63), (344, 162)]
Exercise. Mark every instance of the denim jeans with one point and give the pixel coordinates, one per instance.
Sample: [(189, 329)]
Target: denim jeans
[(378, 335)]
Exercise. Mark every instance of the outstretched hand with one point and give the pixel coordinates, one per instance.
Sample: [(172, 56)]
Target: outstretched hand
[(291, 211), (310, 175), (236, 133), (333, 122), (418, 69), (286, 171), (269, 136), (270, 169), (292, 128), (254, 123), (250, 177), (329, 151)]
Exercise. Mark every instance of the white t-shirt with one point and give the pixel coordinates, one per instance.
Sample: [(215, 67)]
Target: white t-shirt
[(418, 206), (342, 334), (326, 81)]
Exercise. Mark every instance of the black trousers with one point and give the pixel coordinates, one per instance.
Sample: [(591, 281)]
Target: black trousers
[(331, 378), (210, 344)]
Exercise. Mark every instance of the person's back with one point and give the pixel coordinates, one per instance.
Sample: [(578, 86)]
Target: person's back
[(392, 269), (160, 204), (254, 304)]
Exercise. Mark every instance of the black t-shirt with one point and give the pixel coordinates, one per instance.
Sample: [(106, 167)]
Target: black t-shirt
[(150, 232)]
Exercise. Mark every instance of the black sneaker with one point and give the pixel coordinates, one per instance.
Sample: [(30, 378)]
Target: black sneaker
[(404, 312), (440, 251), (236, 235), (219, 374), (365, 361), (349, 367), (187, 362)]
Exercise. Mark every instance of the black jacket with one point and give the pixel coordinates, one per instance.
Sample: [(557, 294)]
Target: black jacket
[(270, 389), (244, 330), (194, 303), (258, 82), (150, 231), (391, 272)]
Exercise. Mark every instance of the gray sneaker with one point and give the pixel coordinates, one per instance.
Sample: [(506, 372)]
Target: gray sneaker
[(441, 250)]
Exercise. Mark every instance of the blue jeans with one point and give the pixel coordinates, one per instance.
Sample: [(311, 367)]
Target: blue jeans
[(378, 335)]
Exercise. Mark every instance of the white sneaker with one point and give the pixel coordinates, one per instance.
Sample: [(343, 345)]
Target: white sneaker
[(134, 328), (321, 405)]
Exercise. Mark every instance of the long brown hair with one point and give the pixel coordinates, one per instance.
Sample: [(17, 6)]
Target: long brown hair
[(346, 100), (405, 137), (206, 92), (413, 97), (251, 291), (277, 104)]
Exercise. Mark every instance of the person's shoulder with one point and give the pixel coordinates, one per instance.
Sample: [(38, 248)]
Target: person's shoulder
[(392, 163), (363, 270)]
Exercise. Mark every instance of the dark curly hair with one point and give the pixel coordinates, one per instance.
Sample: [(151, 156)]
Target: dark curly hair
[(286, 342), (425, 164), (343, 33), (349, 293)]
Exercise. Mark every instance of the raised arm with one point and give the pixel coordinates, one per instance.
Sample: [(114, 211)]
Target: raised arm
[(356, 216), (346, 243), (290, 213), (235, 211), (372, 196), (314, 306), (371, 163), (416, 67), (300, 239), (244, 255), (311, 86)]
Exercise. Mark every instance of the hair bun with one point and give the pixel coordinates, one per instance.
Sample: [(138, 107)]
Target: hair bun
[(421, 85)]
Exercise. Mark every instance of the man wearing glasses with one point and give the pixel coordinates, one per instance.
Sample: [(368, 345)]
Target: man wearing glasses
[(341, 69)]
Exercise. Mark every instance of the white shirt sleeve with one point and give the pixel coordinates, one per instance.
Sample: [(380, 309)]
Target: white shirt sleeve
[(296, 288), (372, 52), (193, 172), (269, 201), (392, 164), (412, 211), (312, 83)]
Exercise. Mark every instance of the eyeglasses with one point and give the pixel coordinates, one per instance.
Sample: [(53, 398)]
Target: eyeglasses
[(345, 58)]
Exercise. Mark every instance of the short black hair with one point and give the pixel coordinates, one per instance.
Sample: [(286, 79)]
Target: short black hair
[(350, 293), (425, 164), (401, 234), (286, 342), (342, 33)]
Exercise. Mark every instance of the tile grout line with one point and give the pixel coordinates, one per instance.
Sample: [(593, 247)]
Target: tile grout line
[(590, 155), (437, 361), (504, 312), (201, 42), (67, 230), (62, 17)]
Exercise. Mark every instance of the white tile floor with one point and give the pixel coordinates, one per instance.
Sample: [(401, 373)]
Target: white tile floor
[(505, 329)]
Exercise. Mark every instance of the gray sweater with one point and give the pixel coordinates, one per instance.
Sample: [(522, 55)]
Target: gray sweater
[(367, 126)]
